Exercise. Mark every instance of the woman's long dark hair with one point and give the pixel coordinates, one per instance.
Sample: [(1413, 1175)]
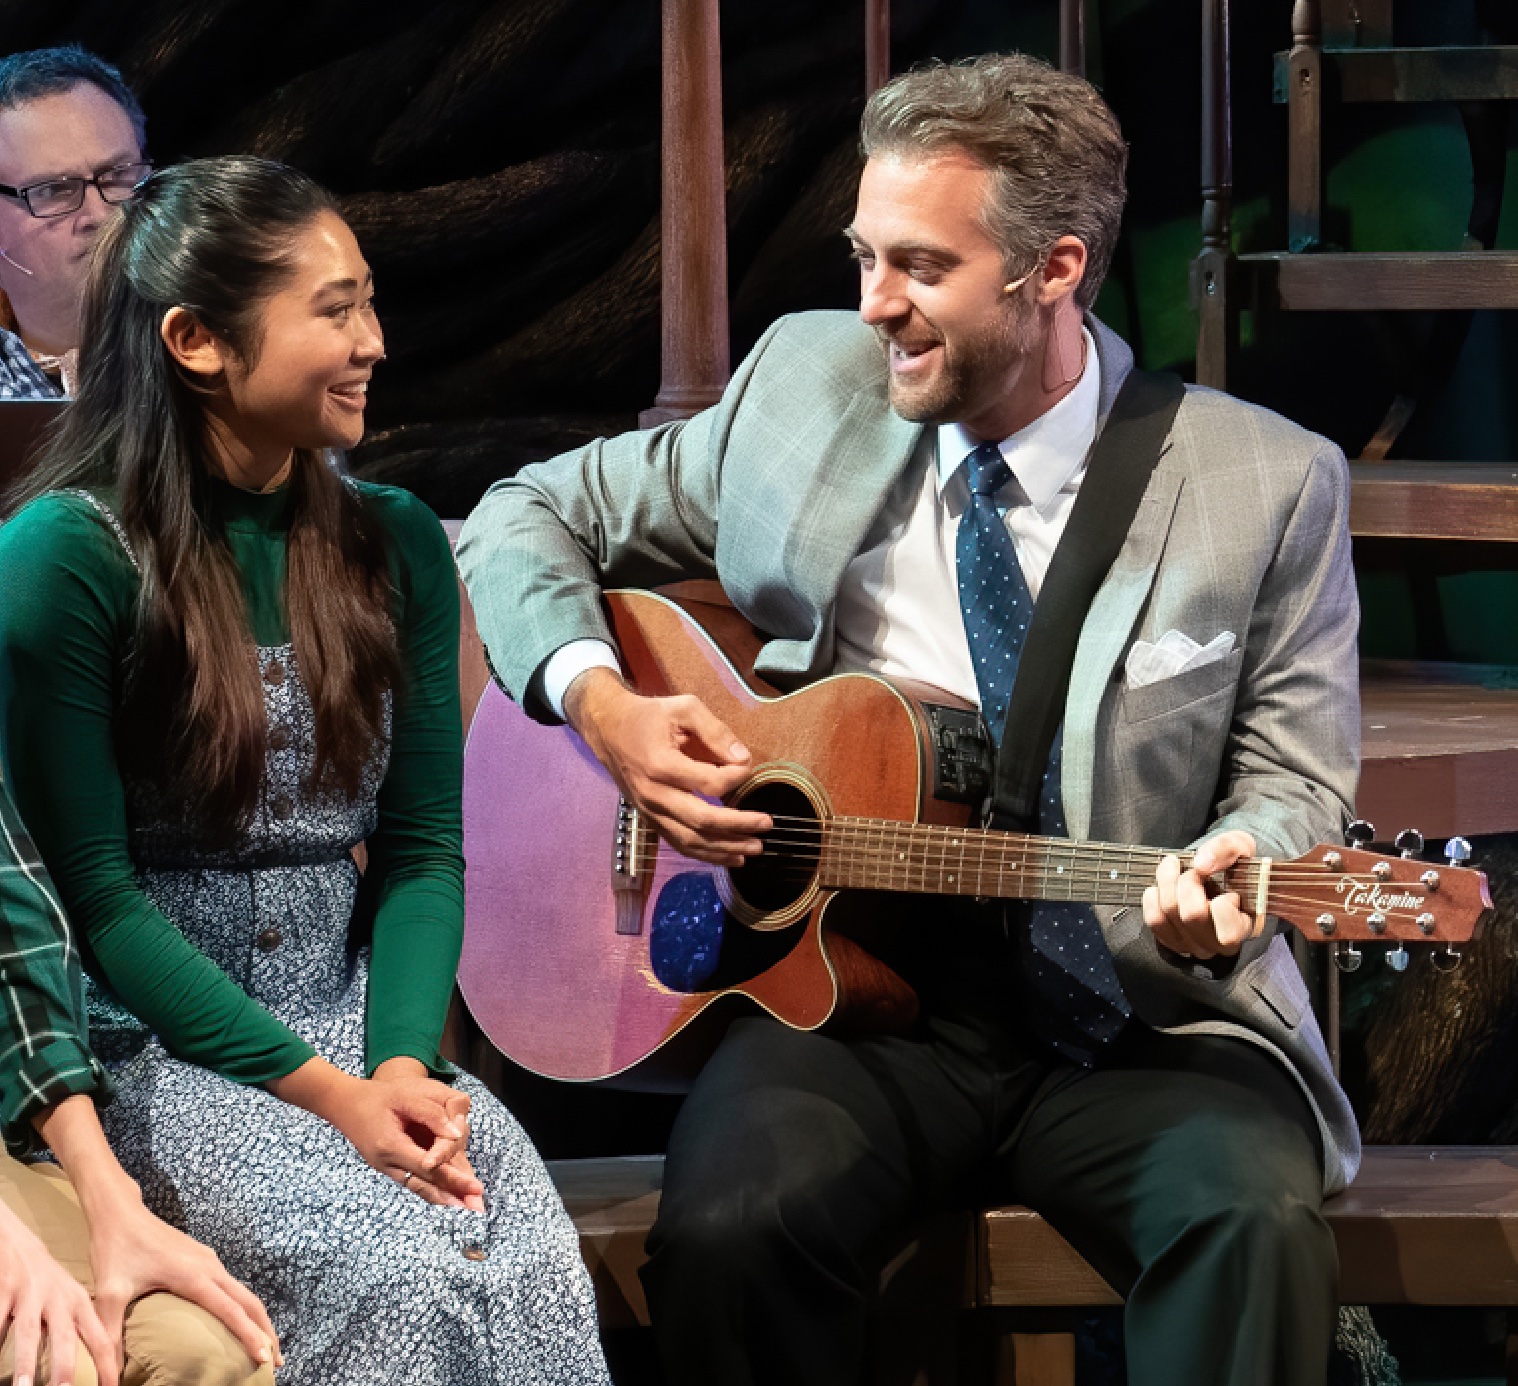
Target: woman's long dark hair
[(216, 237)]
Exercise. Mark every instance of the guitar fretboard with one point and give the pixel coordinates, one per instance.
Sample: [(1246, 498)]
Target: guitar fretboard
[(883, 854)]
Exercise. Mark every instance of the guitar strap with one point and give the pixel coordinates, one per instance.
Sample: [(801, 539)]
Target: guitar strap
[(1117, 474)]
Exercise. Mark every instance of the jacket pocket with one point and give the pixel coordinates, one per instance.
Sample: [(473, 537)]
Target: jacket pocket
[(1167, 695), (1286, 1007)]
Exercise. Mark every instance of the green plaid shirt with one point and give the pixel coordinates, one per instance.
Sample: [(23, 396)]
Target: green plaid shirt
[(44, 1033)]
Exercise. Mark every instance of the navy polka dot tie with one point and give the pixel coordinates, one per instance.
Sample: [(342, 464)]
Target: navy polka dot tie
[(1074, 1000), (993, 595)]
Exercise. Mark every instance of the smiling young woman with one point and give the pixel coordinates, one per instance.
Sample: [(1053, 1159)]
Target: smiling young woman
[(221, 667)]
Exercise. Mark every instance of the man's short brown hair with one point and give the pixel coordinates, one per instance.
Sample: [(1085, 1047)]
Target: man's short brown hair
[(1053, 147)]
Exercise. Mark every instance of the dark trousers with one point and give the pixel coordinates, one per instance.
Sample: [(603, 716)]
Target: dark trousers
[(1187, 1170)]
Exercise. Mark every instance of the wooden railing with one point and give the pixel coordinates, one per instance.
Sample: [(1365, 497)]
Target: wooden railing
[(694, 353)]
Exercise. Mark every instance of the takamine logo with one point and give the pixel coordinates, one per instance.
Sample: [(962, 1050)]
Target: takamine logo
[(1371, 898)]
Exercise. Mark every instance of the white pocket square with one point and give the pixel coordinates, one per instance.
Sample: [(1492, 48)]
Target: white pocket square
[(1173, 653)]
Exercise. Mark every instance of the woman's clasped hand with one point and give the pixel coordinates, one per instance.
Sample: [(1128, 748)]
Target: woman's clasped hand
[(402, 1121), (434, 1122)]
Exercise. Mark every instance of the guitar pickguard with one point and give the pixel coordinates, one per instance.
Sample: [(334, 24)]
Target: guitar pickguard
[(695, 945), (685, 939)]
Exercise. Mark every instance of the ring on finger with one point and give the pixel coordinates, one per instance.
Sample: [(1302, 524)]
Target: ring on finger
[(406, 1182)]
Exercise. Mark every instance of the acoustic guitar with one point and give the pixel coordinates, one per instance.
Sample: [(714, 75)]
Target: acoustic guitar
[(591, 948)]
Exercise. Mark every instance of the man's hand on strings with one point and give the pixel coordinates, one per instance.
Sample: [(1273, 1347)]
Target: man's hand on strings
[(1184, 913), (670, 757)]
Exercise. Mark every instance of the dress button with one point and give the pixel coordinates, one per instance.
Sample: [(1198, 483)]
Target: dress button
[(474, 1253), (270, 939), (281, 807), (279, 738), (274, 675)]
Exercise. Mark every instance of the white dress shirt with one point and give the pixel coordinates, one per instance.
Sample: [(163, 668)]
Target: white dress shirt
[(898, 606)]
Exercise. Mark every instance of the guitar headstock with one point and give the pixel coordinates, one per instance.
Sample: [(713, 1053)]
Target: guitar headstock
[(1349, 895)]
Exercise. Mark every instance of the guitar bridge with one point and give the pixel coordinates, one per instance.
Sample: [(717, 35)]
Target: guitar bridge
[(634, 850)]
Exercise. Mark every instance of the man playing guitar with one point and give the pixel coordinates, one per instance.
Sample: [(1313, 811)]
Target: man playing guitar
[(911, 492)]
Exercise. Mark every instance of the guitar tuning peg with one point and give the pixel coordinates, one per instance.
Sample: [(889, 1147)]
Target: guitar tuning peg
[(1457, 851), (1446, 959), (1347, 958), (1396, 958), (1409, 842), (1360, 833)]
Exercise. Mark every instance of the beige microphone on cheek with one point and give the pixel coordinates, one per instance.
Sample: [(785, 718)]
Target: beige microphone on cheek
[(30, 274)]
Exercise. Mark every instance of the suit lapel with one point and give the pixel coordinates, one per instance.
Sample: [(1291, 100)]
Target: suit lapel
[(851, 475), (1104, 636)]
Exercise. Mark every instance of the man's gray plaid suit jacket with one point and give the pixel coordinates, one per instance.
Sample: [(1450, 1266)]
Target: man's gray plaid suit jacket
[(1243, 528)]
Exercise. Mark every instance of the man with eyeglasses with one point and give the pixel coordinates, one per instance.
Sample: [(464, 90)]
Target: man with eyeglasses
[(72, 137)]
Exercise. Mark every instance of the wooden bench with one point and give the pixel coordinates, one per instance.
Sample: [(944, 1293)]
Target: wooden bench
[(1421, 1225)]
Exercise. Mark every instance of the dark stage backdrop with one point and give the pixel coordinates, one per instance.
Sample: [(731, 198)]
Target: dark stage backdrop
[(499, 162), (500, 165)]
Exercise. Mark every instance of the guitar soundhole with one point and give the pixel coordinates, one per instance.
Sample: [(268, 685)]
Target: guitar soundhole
[(776, 879)]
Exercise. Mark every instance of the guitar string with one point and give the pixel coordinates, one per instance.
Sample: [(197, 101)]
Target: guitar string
[(843, 830), (1081, 882), (876, 867), (859, 848), (842, 827), (836, 834), (859, 871), (850, 835), (1398, 918), (974, 880), (867, 840), (799, 867), (864, 850)]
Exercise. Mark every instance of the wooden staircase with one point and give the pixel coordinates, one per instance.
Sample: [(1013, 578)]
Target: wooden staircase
[(1342, 50), (1441, 741)]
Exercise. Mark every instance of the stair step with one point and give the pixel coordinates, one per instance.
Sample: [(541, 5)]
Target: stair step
[(1354, 281), (1481, 73), (1475, 501), (1440, 747)]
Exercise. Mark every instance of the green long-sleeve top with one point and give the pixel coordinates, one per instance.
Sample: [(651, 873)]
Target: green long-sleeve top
[(68, 600)]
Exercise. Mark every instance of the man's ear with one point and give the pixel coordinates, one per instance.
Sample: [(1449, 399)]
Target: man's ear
[(192, 345), (1063, 270)]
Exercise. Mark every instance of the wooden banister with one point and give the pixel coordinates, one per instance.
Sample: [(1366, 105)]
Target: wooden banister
[(693, 249), (1072, 37), (1304, 108), (877, 45), (1211, 270)]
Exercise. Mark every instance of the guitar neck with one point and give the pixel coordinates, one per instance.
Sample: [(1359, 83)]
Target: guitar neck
[(920, 859)]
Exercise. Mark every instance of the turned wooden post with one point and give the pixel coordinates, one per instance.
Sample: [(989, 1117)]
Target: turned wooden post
[(693, 219), (1211, 271), (877, 45), (1304, 117), (1072, 37)]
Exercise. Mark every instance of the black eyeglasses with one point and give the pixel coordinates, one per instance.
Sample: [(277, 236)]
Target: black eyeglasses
[(60, 196)]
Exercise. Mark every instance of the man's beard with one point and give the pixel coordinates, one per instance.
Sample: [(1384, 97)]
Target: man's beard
[(971, 373)]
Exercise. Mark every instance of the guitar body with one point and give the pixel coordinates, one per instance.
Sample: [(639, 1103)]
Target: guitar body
[(594, 951), (580, 966)]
